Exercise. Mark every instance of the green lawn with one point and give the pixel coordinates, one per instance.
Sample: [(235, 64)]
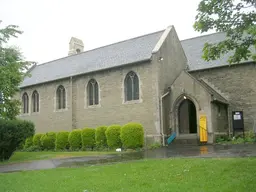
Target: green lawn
[(29, 156), (191, 175)]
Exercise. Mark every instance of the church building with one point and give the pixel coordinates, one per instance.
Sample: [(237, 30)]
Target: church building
[(155, 79)]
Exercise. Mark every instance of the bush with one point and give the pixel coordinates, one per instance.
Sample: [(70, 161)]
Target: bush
[(28, 142), (100, 137), (32, 149), (62, 140), (88, 138), (37, 140), (113, 136), (155, 145), (12, 134), (222, 138), (48, 140), (75, 140), (132, 135)]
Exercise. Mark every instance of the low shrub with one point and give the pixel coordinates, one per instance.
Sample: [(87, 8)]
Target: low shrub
[(100, 137), (62, 140), (75, 140), (88, 138), (12, 134), (37, 140), (223, 138), (28, 142), (250, 137), (155, 145), (48, 141), (32, 149), (113, 136), (238, 140), (132, 135)]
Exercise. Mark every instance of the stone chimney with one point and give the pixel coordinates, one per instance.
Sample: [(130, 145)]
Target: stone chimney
[(75, 46)]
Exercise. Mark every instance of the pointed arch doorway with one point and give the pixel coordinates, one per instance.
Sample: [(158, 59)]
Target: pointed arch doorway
[(187, 117)]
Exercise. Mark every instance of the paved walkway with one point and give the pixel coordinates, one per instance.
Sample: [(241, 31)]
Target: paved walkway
[(216, 151)]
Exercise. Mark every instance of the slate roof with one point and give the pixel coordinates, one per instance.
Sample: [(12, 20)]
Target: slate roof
[(122, 53), (114, 55), (193, 49)]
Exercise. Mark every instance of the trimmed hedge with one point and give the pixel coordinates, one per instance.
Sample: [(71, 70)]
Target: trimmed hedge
[(132, 135), (12, 134), (62, 140), (113, 136), (100, 137), (37, 140), (88, 138), (28, 142), (48, 140), (75, 140)]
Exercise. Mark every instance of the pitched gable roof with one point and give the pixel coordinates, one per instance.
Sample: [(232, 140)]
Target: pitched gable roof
[(194, 50), (114, 55)]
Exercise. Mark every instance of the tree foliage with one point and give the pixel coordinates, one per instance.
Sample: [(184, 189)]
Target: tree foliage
[(12, 71), (237, 18)]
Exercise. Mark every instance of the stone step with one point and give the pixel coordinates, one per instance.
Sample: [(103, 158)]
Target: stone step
[(186, 141)]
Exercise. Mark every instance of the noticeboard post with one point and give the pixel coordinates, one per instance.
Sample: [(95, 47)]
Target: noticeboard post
[(238, 121)]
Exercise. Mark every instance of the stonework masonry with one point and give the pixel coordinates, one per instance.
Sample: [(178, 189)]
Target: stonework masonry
[(238, 84), (164, 80)]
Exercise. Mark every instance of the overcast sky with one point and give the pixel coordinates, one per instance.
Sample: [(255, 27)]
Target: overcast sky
[(48, 25)]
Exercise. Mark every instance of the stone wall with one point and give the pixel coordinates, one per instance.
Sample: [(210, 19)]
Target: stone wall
[(169, 61), (49, 118), (112, 108), (238, 84)]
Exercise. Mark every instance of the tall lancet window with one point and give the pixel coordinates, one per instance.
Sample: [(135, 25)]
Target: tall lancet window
[(93, 92), (131, 84), (61, 97)]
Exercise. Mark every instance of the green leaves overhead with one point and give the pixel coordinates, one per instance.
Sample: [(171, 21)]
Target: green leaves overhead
[(237, 19), (12, 72)]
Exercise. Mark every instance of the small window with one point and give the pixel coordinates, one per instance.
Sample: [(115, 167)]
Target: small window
[(25, 103), (78, 50), (93, 92), (61, 97), (131, 84), (35, 101)]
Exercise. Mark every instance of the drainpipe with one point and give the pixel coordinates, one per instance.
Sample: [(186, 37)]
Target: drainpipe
[(71, 100), (162, 119)]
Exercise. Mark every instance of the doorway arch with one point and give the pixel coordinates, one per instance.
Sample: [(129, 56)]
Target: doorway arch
[(187, 117)]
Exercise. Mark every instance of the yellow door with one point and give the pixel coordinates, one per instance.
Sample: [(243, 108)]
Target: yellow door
[(203, 129)]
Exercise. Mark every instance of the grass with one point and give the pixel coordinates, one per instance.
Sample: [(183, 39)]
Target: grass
[(29, 156), (193, 175)]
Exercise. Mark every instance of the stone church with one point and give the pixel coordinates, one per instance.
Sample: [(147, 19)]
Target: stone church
[(156, 80)]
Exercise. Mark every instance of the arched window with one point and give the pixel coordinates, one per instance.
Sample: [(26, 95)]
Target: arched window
[(61, 97), (93, 92), (131, 84), (25, 103), (35, 101)]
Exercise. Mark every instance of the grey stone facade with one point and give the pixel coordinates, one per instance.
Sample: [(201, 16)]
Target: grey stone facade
[(165, 80), (238, 84)]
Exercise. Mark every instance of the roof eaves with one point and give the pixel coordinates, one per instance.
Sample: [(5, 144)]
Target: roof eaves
[(99, 70), (221, 66)]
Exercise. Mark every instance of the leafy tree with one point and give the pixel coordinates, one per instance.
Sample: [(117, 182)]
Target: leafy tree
[(237, 18), (12, 72)]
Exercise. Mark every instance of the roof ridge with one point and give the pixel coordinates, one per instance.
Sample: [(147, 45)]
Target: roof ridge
[(197, 37), (48, 62)]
